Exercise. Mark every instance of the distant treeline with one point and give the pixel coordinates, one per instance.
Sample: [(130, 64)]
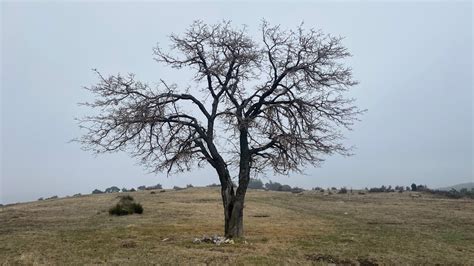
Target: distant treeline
[(275, 186), (453, 193)]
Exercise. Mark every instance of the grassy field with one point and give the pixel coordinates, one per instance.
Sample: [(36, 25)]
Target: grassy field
[(280, 227)]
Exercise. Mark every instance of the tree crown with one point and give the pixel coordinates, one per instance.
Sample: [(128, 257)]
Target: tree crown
[(285, 92)]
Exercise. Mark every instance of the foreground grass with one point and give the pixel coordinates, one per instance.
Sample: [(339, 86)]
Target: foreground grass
[(282, 228)]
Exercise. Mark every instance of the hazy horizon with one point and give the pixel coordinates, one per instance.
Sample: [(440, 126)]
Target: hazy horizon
[(413, 62)]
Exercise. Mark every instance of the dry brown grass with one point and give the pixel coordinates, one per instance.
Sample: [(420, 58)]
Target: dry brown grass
[(282, 228)]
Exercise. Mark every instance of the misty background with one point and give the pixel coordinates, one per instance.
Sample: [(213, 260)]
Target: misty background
[(413, 61)]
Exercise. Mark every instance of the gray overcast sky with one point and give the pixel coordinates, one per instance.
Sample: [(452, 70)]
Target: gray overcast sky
[(413, 61)]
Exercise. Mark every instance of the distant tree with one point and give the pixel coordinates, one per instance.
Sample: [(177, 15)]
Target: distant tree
[(189, 186), (413, 187), (112, 189), (213, 185), (255, 183), (141, 187), (97, 191), (132, 190), (124, 190), (281, 102), (407, 188)]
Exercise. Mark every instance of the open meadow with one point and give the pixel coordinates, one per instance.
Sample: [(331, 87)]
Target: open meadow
[(280, 227)]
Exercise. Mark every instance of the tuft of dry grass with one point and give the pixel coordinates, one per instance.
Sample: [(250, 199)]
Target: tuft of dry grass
[(280, 227)]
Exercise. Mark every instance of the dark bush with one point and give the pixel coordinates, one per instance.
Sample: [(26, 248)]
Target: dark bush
[(213, 185), (77, 195), (255, 183), (119, 209), (124, 190), (177, 188), (132, 190), (141, 187), (317, 188), (40, 199), (413, 187), (126, 206), (189, 186)]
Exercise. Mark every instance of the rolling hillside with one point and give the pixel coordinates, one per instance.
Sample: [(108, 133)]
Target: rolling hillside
[(280, 227)]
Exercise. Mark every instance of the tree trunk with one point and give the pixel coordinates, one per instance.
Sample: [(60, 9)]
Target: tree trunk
[(234, 201), (234, 223)]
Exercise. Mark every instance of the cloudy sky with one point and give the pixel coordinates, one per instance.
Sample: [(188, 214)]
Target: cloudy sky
[(413, 61)]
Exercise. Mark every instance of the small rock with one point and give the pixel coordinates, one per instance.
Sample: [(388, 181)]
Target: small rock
[(229, 241), (166, 239)]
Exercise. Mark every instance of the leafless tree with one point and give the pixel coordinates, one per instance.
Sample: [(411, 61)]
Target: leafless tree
[(276, 104)]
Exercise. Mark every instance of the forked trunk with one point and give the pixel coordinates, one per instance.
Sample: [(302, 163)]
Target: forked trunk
[(233, 216), (234, 201)]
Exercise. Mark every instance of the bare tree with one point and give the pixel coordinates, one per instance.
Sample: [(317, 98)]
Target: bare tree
[(275, 105)]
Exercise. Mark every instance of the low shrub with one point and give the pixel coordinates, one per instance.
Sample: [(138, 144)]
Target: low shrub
[(213, 185), (189, 186), (126, 206)]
